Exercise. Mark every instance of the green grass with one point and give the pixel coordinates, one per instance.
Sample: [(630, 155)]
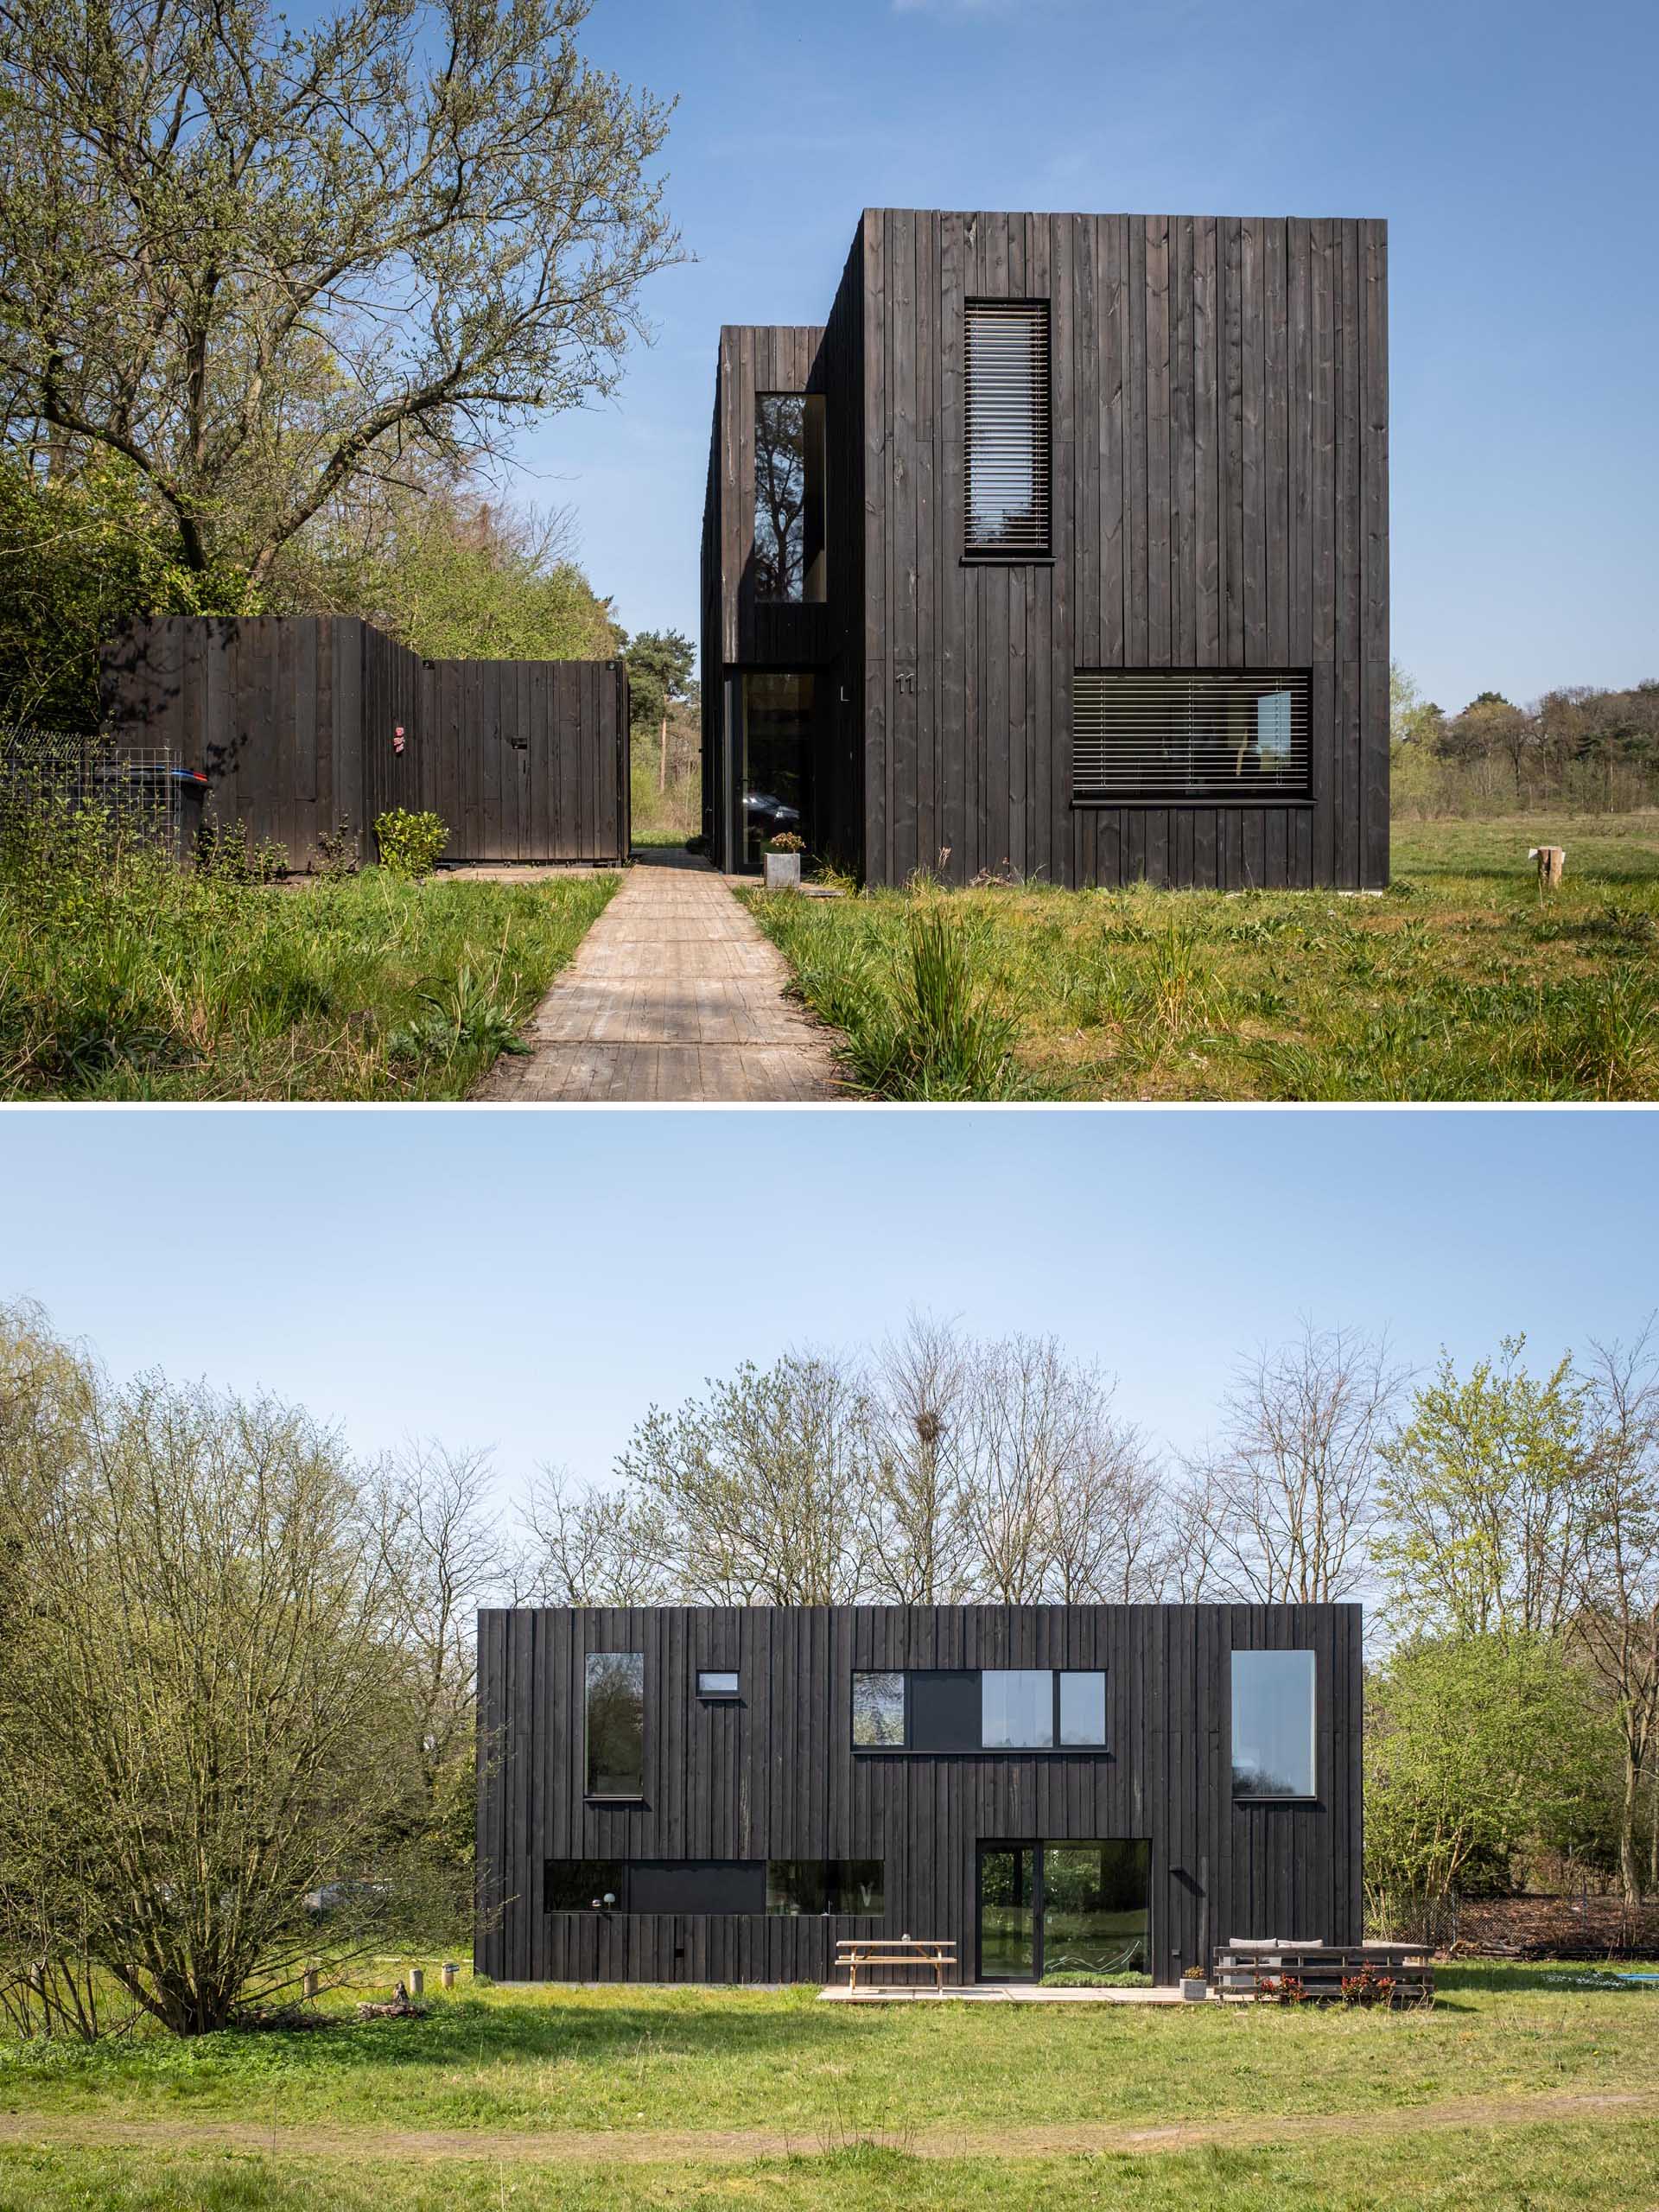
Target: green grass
[(1603, 2168), (831, 2079), (1456, 984), (141, 982), (620, 2057)]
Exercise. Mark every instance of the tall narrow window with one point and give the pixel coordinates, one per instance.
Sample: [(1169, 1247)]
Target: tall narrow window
[(789, 518), (616, 1724), (1146, 734), (1007, 455), (1273, 1724)]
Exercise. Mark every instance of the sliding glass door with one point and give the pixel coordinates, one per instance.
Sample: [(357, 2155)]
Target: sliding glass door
[(1063, 1908)]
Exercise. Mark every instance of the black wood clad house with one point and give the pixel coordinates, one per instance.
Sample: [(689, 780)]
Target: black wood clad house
[(1061, 549), (693, 1794)]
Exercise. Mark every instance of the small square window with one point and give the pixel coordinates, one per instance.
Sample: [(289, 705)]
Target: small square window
[(712, 1682)]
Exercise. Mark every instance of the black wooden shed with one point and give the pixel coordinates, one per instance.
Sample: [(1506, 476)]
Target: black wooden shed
[(687, 1793), (1060, 549)]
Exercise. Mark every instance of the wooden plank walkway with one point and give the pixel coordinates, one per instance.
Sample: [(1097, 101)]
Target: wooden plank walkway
[(674, 994)]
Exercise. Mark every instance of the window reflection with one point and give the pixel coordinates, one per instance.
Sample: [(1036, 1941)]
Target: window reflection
[(616, 1724), (1018, 1708), (878, 1710), (789, 533), (1273, 1724)]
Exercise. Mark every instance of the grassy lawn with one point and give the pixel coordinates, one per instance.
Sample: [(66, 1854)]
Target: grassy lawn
[(147, 983), (1320, 2107), (1456, 984)]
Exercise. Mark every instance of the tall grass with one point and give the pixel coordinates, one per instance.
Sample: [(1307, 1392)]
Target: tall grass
[(1460, 983), (923, 1018), (122, 976)]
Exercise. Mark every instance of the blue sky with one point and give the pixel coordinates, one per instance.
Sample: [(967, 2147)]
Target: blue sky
[(532, 1281), (1509, 146)]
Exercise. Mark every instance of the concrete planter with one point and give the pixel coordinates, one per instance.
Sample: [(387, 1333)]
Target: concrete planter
[(1195, 1993), (783, 871)]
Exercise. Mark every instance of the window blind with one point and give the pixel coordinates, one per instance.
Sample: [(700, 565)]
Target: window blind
[(1152, 733), (1008, 462)]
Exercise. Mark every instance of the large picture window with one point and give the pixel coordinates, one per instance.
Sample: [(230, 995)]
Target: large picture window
[(616, 1724), (1141, 733), (1274, 1708), (821, 1886), (789, 518), (1006, 458), (973, 1709)]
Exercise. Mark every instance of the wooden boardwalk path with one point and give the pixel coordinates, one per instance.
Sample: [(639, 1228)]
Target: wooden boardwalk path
[(673, 995)]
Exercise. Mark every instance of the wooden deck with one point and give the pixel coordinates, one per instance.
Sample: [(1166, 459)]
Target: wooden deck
[(674, 994)]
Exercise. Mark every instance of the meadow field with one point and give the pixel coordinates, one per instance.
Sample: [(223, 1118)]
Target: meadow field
[(1457, 983), (136, 980), (1536, 2086)]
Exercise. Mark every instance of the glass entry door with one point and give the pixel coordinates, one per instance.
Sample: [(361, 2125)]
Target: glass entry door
[(776, 741), (1063, 1908)]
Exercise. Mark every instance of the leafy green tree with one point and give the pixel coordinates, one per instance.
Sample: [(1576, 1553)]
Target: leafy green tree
[(1483, 1493), (258, 262), (453, 575), (659, 675), (1476, 1746), (77, 556)]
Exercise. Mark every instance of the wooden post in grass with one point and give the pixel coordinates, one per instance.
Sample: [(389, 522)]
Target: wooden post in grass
[(312, 1979), (417, 1982), (1552, 860), (450, 1973)]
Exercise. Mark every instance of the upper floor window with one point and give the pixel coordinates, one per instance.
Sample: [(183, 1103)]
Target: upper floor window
[(1147, 734), (789, 504), (879, 1711), (616, 1724), (717, 1682), (1274, 1704), (988, 1709), (1008, 457)]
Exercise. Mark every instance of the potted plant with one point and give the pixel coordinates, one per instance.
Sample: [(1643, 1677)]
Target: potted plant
[(783, 861), (1195, 1989)]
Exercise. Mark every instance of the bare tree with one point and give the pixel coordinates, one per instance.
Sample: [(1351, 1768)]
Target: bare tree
[(761, 1489), (207, 1718), (249, 261), (1110, 1542), (1289, 1489), (921, 1390), (588, 1547), (1616, 1616), (445, 1557)]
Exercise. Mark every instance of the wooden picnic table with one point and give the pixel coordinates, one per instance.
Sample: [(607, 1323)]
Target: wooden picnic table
[(855, 1951)]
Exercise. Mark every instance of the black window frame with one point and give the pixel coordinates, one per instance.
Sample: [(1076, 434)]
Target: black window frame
[(734, 1674), (908, 1747), (1297, 792), (612, 1797), (1004, 552), (834, 1887), (1242, 1797)]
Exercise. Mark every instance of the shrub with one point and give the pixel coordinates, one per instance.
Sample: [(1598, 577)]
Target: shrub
[(409, 843), (787, 842), (1123, 1978)]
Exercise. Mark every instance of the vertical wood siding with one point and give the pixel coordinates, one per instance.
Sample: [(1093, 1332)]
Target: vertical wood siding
[(774, 1775), (293, 721), (1220, 472)]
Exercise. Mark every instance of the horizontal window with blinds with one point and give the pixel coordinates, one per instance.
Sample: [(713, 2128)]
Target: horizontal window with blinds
[(1141, 733), (1008, 430)]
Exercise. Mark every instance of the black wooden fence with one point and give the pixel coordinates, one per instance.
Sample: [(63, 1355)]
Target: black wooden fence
[(300, 723)]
